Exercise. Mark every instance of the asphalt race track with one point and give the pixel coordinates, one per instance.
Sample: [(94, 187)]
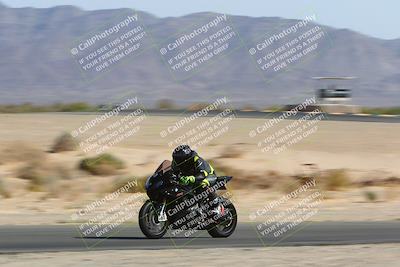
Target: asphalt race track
[(67, 238)]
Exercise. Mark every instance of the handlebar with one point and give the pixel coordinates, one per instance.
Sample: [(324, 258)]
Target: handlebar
[(174, 179)]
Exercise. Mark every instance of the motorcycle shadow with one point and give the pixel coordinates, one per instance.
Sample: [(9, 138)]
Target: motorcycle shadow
[(138, 237)]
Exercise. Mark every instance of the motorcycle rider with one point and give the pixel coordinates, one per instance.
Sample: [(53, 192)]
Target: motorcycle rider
[(196, 172)]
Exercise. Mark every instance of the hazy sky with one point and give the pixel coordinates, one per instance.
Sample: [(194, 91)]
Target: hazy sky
[(376, 18)]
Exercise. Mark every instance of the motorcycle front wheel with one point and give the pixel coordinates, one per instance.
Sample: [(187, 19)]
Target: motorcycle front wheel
[(228, 224), (148, 222)]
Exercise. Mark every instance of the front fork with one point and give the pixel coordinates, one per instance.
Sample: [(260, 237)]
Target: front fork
[(162, 216)]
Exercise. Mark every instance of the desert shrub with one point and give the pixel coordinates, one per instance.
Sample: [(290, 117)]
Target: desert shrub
[(335, 179), (197, 106), (248, 107), (392, 180), (379, 111), (220, 169), (370, 196), (73, 107), (3, 190), (258, 181), (42, 175), (58, 107), (21, 152), (243, 179), (123, 180), (64, 142), (231, 152), (165, 104), (61, 171), (22, 108), (38, 175), (30, 172), (287, 185), (376, 181), (273, 177), (304, 179), (103, 164), (264, 180), (274, 108)]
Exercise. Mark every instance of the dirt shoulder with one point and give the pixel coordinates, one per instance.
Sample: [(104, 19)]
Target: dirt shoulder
[(329, 256), (348, 205), (355, 165)]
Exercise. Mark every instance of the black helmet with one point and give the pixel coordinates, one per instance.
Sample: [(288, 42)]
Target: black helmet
[(181, 158)]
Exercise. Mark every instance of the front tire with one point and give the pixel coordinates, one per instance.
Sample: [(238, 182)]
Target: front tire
[(148, 222), (227, 226)]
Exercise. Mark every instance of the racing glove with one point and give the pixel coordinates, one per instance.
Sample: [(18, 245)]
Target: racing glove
[(187, 180), (205, 183)]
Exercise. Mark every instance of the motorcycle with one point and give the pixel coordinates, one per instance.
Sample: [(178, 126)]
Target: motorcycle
[(181, 209)]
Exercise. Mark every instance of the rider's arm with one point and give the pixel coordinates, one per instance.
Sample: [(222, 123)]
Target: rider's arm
[(204, 172)]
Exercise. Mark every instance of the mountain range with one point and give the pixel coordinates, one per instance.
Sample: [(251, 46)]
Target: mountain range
[(36, 64)]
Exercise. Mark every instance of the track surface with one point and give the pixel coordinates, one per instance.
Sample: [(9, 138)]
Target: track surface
[(67, 238)]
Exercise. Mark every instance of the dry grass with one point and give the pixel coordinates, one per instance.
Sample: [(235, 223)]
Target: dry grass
[(32, 161), (35, 166), (21, 152), (248, 180), (330, 180), (123, 180), (43, 175), (222, 170)]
